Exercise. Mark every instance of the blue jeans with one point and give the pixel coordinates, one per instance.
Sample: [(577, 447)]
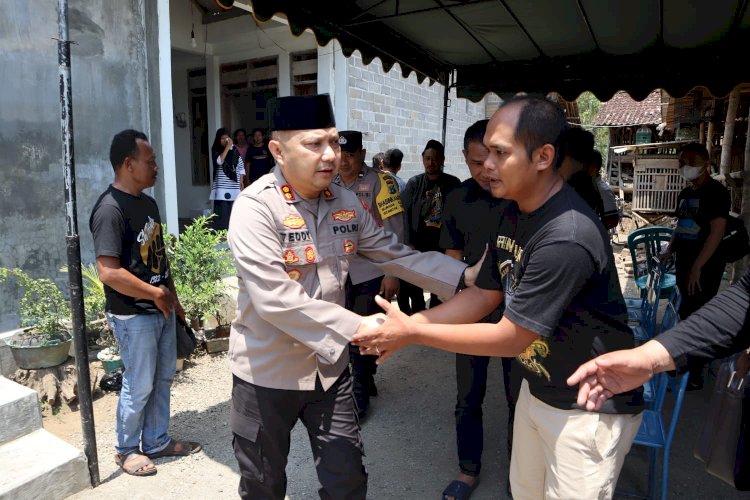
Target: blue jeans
[(149, 351)]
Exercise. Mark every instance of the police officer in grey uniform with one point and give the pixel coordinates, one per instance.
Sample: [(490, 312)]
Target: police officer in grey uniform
[(379, 194), (293, 235)]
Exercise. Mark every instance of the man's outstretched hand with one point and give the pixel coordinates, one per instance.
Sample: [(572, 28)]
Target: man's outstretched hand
[(390, 336), (617, 372)]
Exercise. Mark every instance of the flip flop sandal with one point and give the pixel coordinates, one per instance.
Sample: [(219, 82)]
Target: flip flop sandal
[(459, 490), (134, 465), (177, 449)]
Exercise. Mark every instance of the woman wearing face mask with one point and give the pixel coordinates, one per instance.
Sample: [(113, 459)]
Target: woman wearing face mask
[(702, 211)]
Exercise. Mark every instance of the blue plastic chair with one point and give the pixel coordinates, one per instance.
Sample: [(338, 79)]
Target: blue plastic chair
[(669, 319), (657, 432), (642, 320), (671, 312), (651, 238)]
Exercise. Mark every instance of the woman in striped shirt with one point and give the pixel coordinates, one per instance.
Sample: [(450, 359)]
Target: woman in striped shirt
[(228, 178)]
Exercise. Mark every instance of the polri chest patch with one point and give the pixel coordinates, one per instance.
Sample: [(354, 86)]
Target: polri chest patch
[(343, 215)]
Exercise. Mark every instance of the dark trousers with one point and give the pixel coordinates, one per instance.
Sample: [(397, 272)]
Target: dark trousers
[(410, 298), (710, 281), (360, 299), (223, 210), (262, 419), (471, 381)]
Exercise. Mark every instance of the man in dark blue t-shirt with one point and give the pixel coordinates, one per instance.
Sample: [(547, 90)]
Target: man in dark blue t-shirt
[(552, 266), (141, 304), (702, 211)]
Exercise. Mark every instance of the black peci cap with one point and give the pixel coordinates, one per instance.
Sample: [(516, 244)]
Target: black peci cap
[(350, 140), (300, 112)]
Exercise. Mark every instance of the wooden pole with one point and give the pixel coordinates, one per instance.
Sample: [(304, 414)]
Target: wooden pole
[(702, 133), (726, 145), (741, 265), (710, 138)]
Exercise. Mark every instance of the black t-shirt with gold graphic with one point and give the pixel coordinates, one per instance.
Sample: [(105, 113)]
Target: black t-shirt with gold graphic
[(129, 228), (557, 271)]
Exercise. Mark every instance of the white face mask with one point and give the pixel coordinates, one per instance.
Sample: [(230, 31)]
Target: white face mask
[(690, 173)]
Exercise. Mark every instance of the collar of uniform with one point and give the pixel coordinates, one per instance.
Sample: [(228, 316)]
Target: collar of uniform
[(289, 195), (284, 188), (362, 172)]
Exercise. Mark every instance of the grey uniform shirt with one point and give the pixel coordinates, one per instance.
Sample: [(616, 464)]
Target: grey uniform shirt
[(292, 260), (379, 194)]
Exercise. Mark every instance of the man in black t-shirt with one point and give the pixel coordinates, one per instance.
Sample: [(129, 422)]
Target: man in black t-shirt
[(578, 147), (470, 219), (552, 266), (423, 200), (141, 304), (702, 211)]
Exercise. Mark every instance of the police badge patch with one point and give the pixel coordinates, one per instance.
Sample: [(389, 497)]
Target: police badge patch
[(290, 257), (293, 221), (310, 254), (286, 189)]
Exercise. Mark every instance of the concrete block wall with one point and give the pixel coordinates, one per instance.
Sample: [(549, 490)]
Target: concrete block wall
[(110, 93), (393, 111)]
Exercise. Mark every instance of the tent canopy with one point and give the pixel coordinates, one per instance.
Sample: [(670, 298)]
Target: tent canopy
[(539, 46)]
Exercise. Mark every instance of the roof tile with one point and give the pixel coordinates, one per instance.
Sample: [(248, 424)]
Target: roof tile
[(622, 110)]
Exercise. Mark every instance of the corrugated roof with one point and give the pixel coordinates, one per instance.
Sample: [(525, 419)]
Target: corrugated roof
[(622, 110)]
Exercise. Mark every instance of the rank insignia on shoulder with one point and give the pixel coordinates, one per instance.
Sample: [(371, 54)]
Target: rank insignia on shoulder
[(295, 275), (327, 193), (310, 254), (286, 189), (290, 257), (293, 221), (343, 215), (349, 247)]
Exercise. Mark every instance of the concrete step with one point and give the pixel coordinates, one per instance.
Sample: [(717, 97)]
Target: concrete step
[(39, 465), (19, 411)]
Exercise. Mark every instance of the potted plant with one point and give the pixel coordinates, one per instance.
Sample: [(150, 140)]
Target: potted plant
[(45, 316), (110, 358), (199, 260)]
